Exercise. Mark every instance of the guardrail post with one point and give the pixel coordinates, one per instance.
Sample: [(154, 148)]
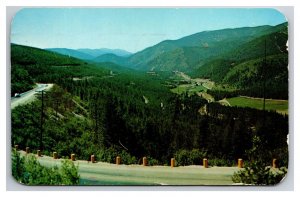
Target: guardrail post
[(38, 153), (275, 163), (54, 155), (118, 160), (172, 162), (205, 163), (73, 157), (144, 161), (240, 163), (93, 158), (27, 150)]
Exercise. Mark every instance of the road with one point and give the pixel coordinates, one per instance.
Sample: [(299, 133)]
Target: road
[(101, 173), (28, 96)]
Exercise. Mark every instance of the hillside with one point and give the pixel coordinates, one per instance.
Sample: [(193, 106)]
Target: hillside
[(242, 68), (31, 65), (28, 64), (25, 55), (193, 52)]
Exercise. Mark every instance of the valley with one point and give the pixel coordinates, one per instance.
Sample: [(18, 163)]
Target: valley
[(200, 86)]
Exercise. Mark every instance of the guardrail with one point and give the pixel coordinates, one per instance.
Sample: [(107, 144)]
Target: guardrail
[(240, 162)]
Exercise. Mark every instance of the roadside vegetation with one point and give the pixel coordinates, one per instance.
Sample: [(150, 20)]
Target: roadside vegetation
[(27, 170)]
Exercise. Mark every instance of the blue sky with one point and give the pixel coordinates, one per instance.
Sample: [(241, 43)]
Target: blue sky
[(131, 29)]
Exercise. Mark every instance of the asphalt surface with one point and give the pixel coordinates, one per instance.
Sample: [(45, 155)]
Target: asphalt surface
[(28, 96)]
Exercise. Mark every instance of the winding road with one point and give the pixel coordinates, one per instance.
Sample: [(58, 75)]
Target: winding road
[(28, 96)]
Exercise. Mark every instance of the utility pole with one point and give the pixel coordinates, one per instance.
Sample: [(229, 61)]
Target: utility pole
[(264, 76), (41, 120)]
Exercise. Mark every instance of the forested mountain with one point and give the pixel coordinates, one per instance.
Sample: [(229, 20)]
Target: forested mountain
[(247, 67), (111, 58), (194, 51), (271, 44)]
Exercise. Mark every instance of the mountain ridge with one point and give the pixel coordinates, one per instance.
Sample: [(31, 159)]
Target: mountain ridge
[(89, 54), (193, 51)]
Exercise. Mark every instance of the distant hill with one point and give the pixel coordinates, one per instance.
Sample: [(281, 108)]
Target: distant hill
[(72, 53), (89, 54), (102, 51), (111, 58)]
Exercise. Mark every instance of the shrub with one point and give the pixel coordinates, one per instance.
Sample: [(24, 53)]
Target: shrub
[(257, 172), (127, 159), (257, 175), (27, 170), (109, 155), (185, 157), (152, 161), (221, 162)]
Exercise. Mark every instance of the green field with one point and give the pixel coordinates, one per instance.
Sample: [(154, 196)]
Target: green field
[(281, 106), (189, 88)]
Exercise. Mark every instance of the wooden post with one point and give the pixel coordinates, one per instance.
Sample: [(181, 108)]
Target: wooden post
[(16, 147), (54, 155), (27, 150), (240, 163), (275, 163), (93, 158), (118, 160), (205, 163), (39, 153), (73, 157), (144, 161), (172, 162)]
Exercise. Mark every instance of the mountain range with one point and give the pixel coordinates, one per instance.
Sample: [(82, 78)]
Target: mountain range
[(194, 53), (229, 56), (89, 54)]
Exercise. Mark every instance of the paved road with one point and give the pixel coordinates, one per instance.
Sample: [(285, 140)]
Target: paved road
[(101, 173), (28, 96)]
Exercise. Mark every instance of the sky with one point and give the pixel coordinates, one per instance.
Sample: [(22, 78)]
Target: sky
[(131, 29)]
